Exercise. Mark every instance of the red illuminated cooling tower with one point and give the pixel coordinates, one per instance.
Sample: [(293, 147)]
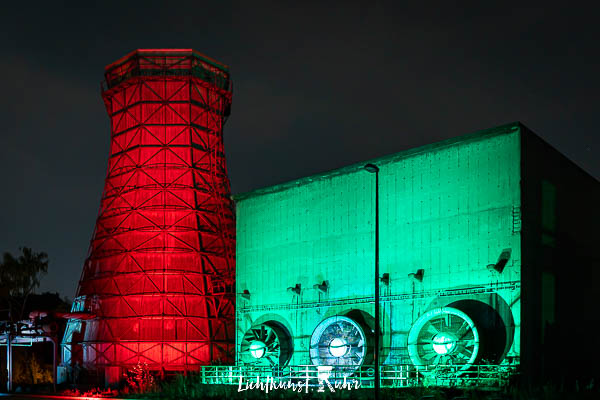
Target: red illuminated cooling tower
[(160, 272)]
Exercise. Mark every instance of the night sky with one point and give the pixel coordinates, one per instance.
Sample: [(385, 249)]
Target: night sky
[(316, 87)]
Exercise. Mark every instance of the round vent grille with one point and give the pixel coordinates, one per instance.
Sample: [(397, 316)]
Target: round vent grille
[(442, 337), (267, 344), (340, 342)]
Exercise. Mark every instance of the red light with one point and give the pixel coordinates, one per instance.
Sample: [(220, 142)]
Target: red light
[(160, 271)]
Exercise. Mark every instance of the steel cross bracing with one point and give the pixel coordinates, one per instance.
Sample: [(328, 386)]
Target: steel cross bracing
[(161, 259)]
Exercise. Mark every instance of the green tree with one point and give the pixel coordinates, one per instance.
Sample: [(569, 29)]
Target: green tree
[(19, 276)]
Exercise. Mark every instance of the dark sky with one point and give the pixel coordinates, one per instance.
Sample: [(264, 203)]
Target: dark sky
[(316, 86)]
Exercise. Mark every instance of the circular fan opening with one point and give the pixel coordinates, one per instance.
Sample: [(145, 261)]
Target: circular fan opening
[(266, 345), (339, 342), (444, 337)]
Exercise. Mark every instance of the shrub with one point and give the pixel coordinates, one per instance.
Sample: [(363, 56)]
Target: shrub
[(139, 379)]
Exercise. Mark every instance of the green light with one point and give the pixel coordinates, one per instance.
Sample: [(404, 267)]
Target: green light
[(450, 209), (258, 349), (444, 343), (338, 347)]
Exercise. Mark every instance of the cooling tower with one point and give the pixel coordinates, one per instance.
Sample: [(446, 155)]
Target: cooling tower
[(158, 281)]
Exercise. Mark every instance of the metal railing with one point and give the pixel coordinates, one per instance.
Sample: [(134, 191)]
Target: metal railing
[(392, 376)]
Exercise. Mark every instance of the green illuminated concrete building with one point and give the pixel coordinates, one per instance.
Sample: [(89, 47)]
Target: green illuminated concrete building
[(487, 256)]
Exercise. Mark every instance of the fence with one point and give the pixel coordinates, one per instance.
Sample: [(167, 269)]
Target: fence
[(392, 376)]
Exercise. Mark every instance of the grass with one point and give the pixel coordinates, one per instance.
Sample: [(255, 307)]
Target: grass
[(190, 387)]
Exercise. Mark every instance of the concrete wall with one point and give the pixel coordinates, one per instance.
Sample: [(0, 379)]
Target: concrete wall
[(449, 209)]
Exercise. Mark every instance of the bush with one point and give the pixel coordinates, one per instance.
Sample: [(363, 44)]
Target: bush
[(140, 380)]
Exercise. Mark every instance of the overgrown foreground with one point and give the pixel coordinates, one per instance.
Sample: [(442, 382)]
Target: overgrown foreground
[(191, 388)]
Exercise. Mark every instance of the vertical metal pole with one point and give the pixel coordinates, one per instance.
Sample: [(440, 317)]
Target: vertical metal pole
[(377, 319), (9, 361), (372, 168), (54, 364)]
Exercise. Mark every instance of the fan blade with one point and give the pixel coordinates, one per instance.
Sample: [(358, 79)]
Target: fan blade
[(427, 353), (466, 333), (430, 328), (263, 333), (270, 335), (439, 321), (271, 360), (356, 358), (463, 326), (467, 353)]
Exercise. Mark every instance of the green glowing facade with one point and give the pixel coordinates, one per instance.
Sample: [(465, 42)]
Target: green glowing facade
[(468, 230)]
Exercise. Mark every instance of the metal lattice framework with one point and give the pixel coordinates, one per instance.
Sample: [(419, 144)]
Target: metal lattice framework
[(160, 272)]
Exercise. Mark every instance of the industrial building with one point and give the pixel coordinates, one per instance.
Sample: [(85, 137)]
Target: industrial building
[(484, 245), (486, 256)]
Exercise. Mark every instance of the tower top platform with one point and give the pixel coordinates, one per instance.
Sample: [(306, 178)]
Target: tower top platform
[(166, 62)]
